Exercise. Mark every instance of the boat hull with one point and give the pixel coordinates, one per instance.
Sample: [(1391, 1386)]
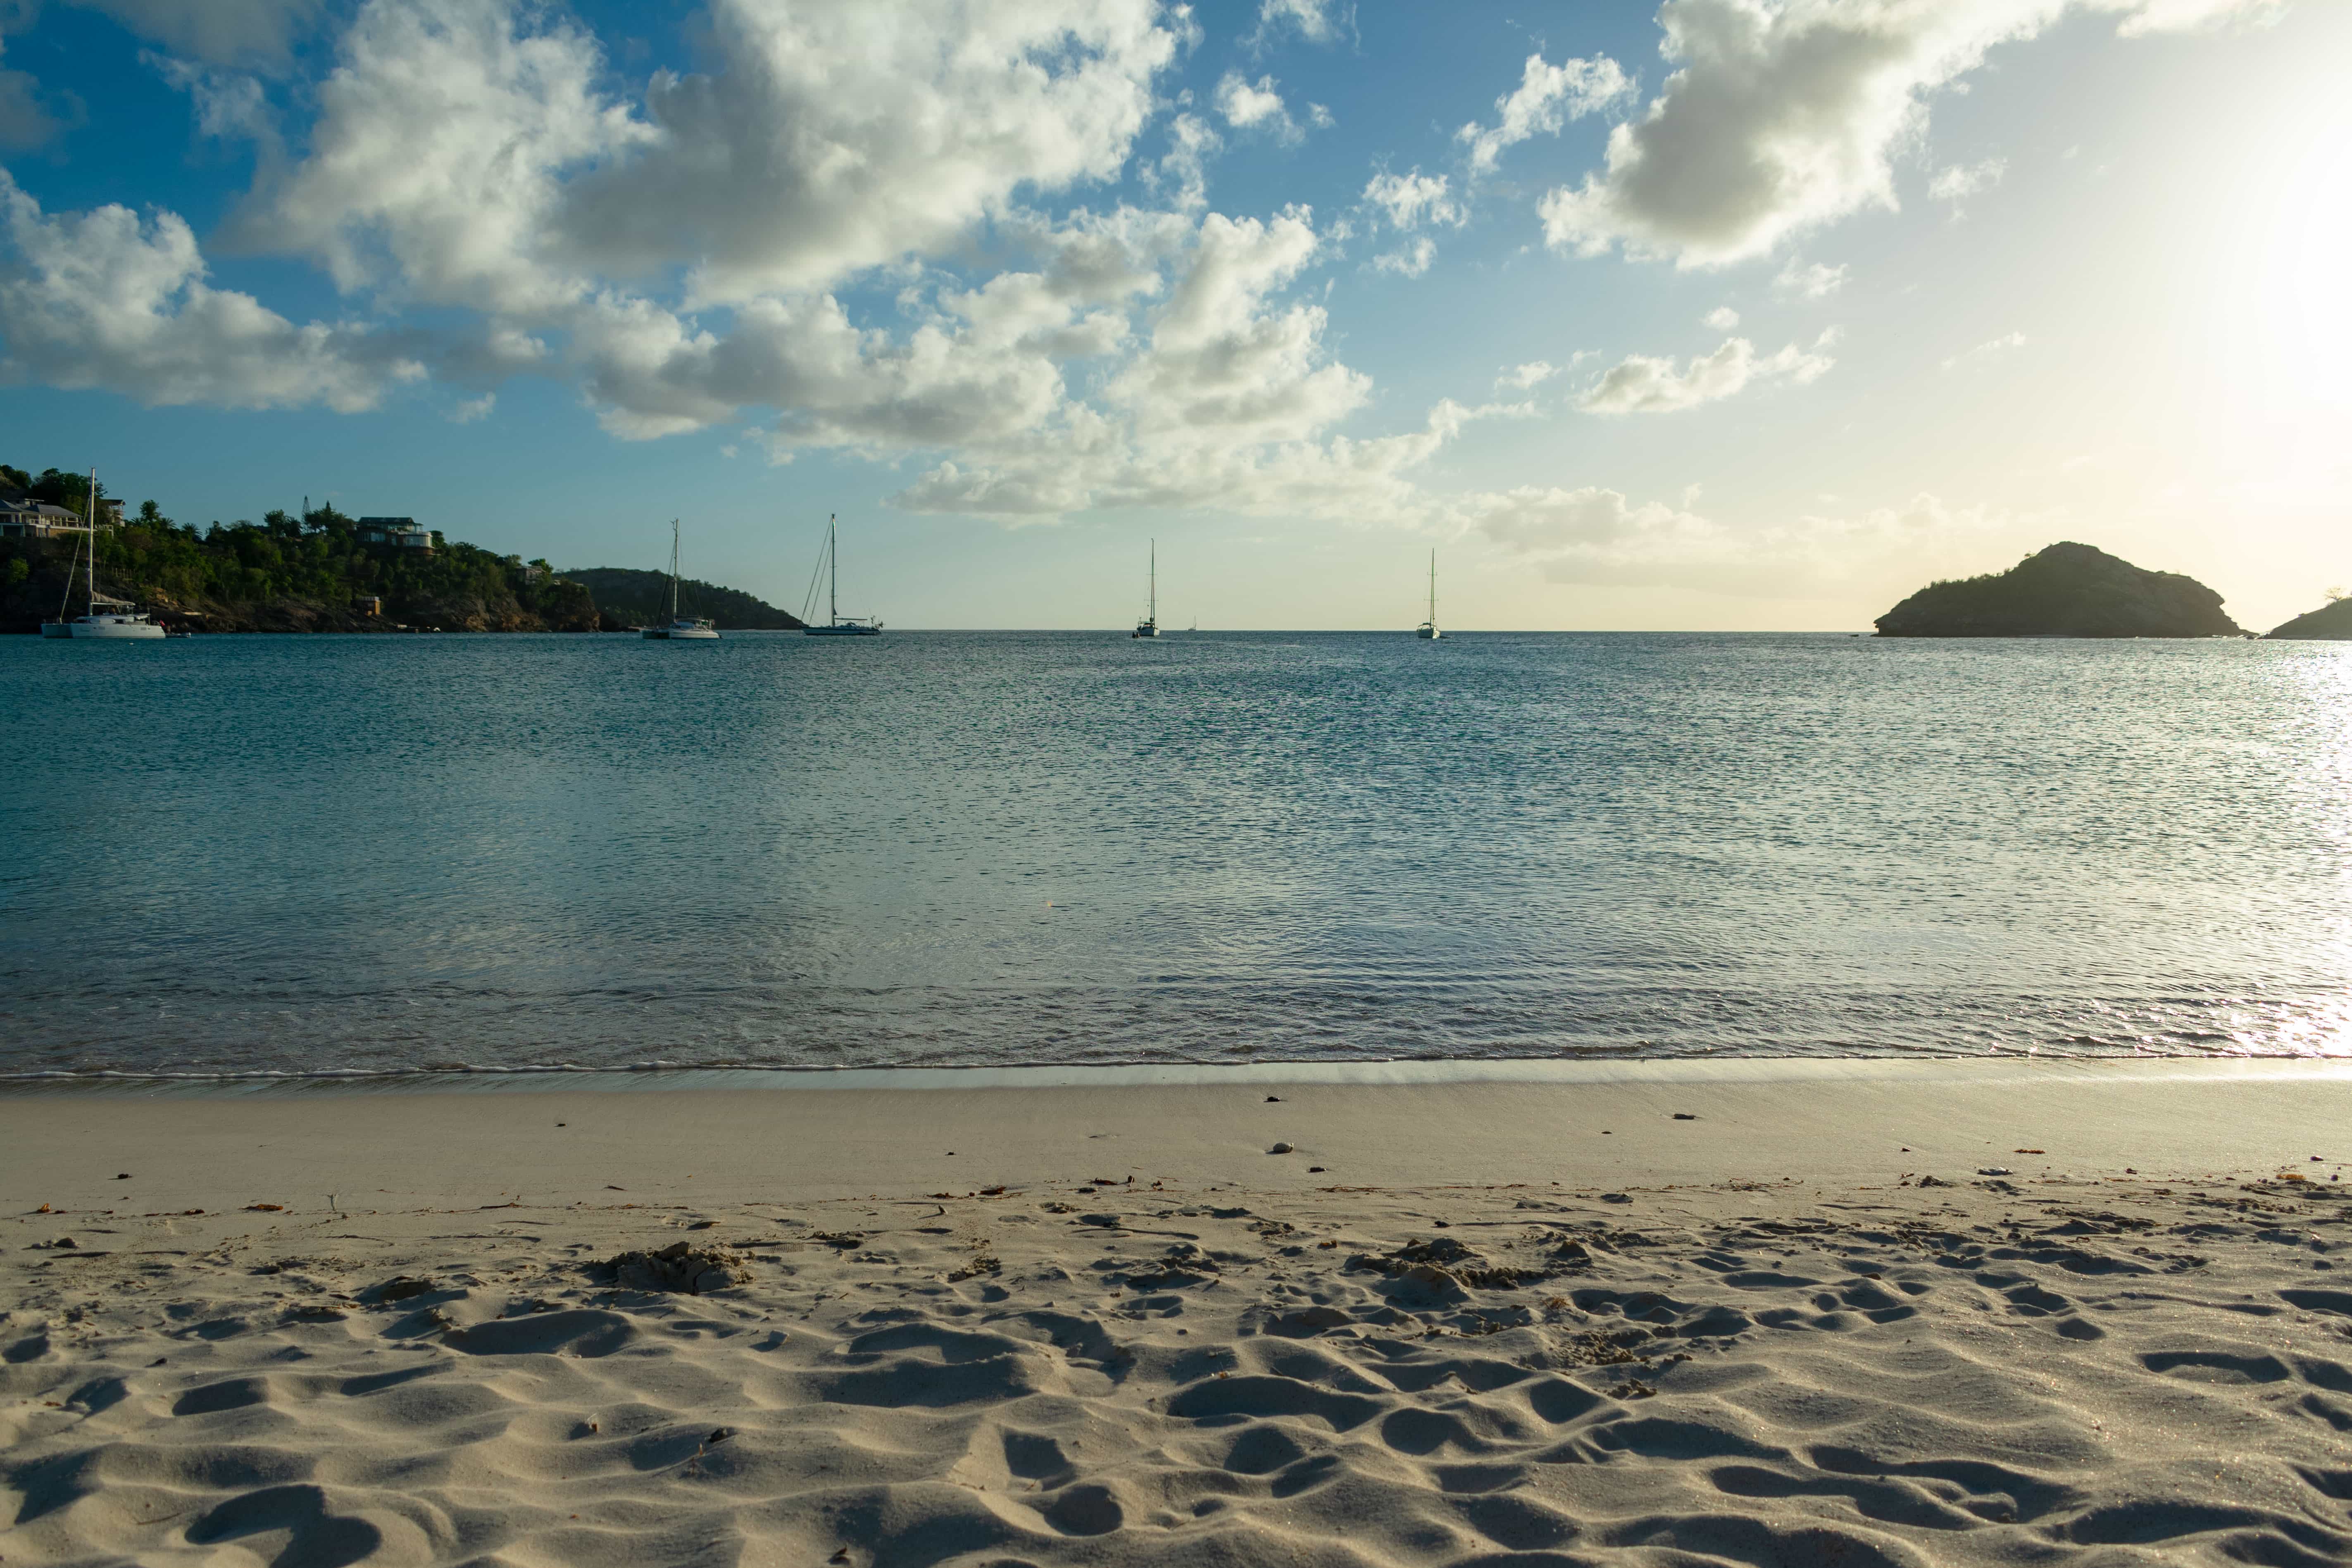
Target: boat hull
[(1429, 634), (844, 631), (677, 634), (104, 630)]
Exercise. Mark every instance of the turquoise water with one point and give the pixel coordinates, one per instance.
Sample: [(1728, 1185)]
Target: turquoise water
[(403, 854)]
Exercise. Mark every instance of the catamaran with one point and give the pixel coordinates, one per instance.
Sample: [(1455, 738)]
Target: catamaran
[(1428, 629), (836, 625), (121, 618), (681, 628), (1148, 626)]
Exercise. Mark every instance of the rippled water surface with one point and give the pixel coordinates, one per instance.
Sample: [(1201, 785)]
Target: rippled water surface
[(308, 854)]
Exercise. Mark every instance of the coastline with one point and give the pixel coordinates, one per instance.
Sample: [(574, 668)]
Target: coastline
[(1401, 1123)]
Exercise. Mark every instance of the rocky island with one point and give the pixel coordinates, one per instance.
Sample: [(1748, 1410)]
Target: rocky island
[(2065, 590), (2332, 622)]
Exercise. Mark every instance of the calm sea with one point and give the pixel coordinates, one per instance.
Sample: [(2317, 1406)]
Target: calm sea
[(300, 855)]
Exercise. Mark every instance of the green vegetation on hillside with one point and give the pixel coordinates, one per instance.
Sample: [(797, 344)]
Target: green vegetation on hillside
[(2332, 622), (633, 598), (2064, 591), (284, 573)]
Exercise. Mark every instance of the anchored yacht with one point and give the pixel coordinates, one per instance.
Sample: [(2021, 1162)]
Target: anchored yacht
[(680, 628), (121, 618)]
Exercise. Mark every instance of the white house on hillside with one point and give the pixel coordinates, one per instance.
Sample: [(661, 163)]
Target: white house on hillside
[(403, 531)]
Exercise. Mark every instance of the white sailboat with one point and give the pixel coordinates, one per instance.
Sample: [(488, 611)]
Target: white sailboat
[(1148, 626), (120, 619), (681, 628), (1428, 629), (836, 625)]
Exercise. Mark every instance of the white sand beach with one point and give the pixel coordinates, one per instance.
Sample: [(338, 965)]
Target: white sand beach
[(1652, 1315)]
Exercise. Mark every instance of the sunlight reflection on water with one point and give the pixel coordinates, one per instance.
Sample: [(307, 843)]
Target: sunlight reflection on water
[(301, 854)]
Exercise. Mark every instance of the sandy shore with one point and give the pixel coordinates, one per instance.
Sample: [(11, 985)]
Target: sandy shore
[(1709, 1314)]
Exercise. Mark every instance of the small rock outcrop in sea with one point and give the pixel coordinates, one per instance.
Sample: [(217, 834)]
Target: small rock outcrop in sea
[(2332, 622), (2064, 591)]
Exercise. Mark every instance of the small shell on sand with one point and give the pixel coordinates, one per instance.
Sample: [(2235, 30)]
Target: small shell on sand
[(1282, 1149)]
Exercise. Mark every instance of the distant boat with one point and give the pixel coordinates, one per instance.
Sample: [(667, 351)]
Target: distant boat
[(120, 620), (1428, 629), (1148, 626), (681, 628), (836, 625)]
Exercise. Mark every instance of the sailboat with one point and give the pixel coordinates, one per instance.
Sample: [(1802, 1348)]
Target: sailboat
[(681, 628), (836, 625), (120, 619), (1148, 626), (1428, 629)]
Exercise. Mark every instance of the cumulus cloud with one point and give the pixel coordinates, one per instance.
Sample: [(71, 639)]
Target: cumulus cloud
[(1993, 349), (103, 301), (1407, 201), (1781, 117), (1643, 383), (1520, 377), (1248, 106), (1723, 318), (1548, 96)]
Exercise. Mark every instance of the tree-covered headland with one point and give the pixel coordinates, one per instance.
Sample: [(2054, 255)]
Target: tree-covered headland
[(318, 572)]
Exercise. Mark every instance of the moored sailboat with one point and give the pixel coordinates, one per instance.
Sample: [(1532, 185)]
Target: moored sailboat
[(1428, 630), (121, 620), (1148, 626), (679, 628), (836, 625)]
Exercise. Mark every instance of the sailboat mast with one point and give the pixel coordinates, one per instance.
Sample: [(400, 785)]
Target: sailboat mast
[(832, 569), (1432, 588), (1151, 582), (672, 568), (89, 525)]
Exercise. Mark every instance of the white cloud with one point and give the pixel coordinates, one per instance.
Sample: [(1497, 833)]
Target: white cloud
[(1183, 169), (1547, 96), (1411, 261), (101, 300), (1520, 377), (1643, 383), (436, 161), (1316, 21), (26, 121), (1810, 281), (1782, 118), (474, 408), (1253, 106), (229, 105), (1409, 200), (1723, 318), (2145, 16), (1993, 349), (219, 32), (1961, 181), (1776, 121)]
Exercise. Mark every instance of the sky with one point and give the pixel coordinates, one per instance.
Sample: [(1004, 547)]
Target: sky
[(1713, 314)]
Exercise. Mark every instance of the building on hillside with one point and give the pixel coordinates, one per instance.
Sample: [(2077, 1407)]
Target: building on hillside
[(21, 517), (401, 531)]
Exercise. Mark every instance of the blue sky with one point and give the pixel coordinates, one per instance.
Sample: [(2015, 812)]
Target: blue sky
[(1719, 314)]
